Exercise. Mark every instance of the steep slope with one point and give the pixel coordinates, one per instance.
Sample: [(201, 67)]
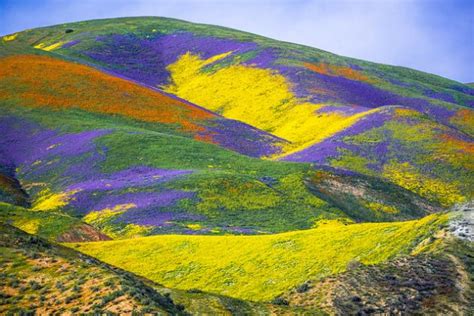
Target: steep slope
[(44, 278), (125, 128), (309, 99), (406, 148), (41, 81), (439, 282)]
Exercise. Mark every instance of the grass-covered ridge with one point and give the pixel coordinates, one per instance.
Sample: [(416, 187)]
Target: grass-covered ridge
[(261, 267)]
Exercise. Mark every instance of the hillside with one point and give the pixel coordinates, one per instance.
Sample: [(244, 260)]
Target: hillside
[(45, 278), (30, 283), (429, 283), (259, 268), (309, 105), (205, 170)]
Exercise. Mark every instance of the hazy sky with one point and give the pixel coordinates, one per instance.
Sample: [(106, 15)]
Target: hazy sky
[(436, 36)]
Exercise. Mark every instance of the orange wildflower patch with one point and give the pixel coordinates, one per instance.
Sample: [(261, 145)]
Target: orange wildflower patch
[(338, 71), (464, 117), (458, 144), (207, 138), (41, 81)]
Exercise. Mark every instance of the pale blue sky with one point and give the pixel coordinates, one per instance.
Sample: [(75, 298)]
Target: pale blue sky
[(436, 36)]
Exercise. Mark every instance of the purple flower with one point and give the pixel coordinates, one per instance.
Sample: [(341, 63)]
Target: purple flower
[(133, 177)]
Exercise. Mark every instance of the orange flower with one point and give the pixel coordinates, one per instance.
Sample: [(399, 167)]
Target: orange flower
[(338, 71), (41, 81)]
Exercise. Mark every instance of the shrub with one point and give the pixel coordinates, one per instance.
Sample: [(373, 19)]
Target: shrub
[(60, 286), (35, 285), (14, 283), (303, 288), (280, 301)]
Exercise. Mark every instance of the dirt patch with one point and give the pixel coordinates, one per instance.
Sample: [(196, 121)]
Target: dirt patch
[(82, 233)]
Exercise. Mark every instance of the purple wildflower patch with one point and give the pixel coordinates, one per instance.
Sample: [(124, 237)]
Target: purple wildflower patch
[(321, 152), (133, 177), (145, 60)]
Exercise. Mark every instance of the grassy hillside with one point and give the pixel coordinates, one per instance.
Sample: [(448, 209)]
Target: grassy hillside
[(259, 268), (54, 226), (211, 160)]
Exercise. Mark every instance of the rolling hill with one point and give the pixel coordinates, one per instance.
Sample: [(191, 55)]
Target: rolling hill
[(168, 140)]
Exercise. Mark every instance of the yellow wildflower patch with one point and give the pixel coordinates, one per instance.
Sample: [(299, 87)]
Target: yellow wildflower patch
[(48, 201), (194, 226), (408, 177), (99, 217), (261, 267), (8, 38), (29, 226), (259, 97), (378, 207), (51, 47)]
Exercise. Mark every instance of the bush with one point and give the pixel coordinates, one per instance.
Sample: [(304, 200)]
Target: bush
[(303, 288), (280, 301), (60, 286), (14, 283), (193, 291), (35, 285), (353, 265)]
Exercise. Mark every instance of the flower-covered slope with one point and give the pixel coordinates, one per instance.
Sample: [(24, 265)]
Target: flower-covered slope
[(41, 81), (124, 128), (308, 105), (135, 125), (180, 56), (126, 180)]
